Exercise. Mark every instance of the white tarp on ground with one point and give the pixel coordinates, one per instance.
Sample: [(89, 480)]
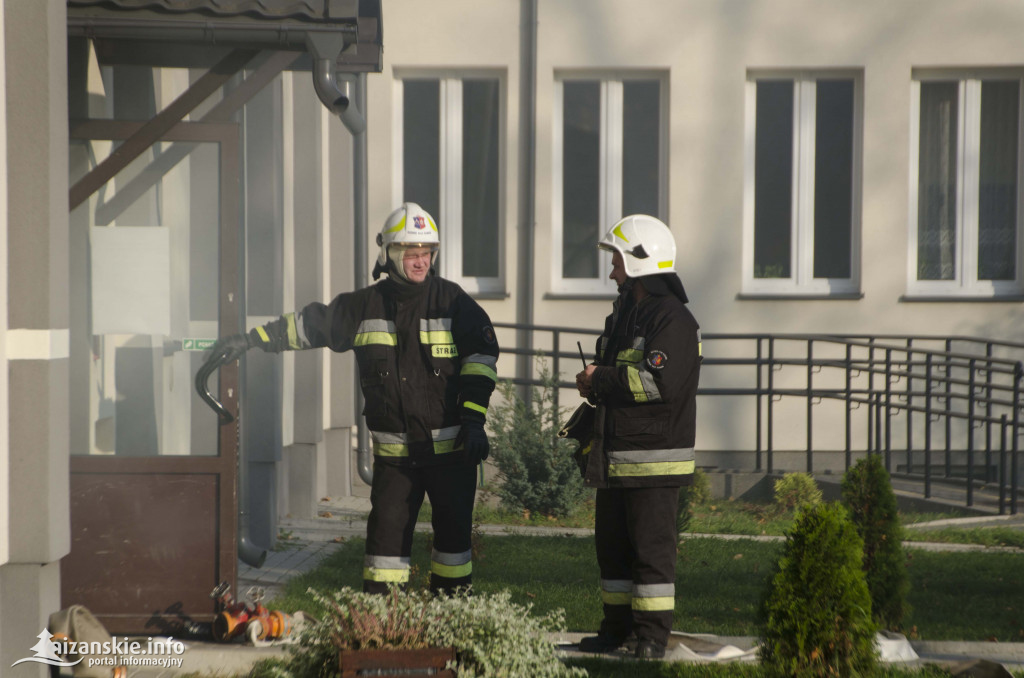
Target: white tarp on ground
[(706, 648)]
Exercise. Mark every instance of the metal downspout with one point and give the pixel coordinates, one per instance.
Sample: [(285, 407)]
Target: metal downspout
[(340, 99), (527, 191), (359, 190)]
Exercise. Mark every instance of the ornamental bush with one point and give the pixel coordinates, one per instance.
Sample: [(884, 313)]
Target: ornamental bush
[(816, 614), (795, 490), (536, 469), (491, 635), (692, 496), (867, 494)]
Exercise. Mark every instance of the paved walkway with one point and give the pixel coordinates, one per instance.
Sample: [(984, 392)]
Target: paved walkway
[(310, 540)]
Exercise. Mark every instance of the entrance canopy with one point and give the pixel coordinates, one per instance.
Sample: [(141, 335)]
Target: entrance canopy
[(199, 33)]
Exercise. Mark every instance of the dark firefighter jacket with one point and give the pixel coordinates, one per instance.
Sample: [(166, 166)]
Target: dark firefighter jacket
[(646, 386), (426, 353)]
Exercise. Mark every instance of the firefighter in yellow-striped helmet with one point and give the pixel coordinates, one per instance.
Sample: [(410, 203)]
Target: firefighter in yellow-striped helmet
[(645, 243), (409, 226)]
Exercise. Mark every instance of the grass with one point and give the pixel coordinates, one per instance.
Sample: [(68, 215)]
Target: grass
[(745, 518), (954, 596)]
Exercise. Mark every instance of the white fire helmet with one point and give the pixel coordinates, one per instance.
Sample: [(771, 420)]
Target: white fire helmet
[(645, 243), (408, 226)]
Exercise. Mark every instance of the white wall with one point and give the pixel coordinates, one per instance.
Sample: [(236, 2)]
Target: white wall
[(707, 50)]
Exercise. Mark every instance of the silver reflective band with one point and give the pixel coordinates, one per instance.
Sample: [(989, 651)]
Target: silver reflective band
[(377, 325), (387, 562), (484, 359), (654, 590), (435, 324), (650, 388), (300, 332), (651, 456), (386, 438), (451, 558), (616, 585)]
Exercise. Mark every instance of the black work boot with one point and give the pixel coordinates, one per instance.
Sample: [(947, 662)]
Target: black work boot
[(601, 643), (649, 649)]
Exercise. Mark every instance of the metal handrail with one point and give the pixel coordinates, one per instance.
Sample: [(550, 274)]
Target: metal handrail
[(905, 375)]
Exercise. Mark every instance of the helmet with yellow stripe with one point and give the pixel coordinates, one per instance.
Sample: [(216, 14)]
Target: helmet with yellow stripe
[(645, 243), (407, 227)]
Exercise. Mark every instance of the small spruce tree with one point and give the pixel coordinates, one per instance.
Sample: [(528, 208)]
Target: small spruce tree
[(795, 490), (690, 496), (536, 468), (816, 614), (867, 494)]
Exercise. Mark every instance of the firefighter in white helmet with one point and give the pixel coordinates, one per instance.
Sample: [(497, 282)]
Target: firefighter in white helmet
[(644, 382), (427, 357)]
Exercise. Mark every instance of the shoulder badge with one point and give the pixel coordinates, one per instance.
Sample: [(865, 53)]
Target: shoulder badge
[(656, 360), (489, 335)]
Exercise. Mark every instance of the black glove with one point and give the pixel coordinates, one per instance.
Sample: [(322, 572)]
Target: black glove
[(229, 349), (474, 440)]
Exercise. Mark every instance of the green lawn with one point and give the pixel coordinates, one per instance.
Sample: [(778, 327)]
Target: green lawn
[(744, 518), (955, 596)]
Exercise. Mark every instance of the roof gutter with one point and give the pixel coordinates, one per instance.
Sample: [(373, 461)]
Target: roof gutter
[(269, 34), (335, 94)]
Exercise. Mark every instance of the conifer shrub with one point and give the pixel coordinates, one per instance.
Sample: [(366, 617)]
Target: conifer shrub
[(536, 469), (692, 496), (795, 490), (868, 496), (816, 613)]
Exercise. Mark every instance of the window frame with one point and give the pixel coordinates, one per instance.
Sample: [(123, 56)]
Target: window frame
[(450, 172), (965, 283), (802, 281), (609, 172)]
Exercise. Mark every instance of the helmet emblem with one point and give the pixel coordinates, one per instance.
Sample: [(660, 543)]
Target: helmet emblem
[(419, 223)]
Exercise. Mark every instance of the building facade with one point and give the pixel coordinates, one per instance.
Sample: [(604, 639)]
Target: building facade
[(834, 167)]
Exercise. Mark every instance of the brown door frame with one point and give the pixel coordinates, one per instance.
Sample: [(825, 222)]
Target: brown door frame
[(225, 465)]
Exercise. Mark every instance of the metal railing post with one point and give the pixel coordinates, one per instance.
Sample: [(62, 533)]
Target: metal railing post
[(888, 409), (949, 409), (1015, 445), (849, 388), (771, 401), (555, 344), (1002, 465), (758, 396), (909, 356), (810, 404), (871, 395), (928, 426), (988, 410), (970, 433)]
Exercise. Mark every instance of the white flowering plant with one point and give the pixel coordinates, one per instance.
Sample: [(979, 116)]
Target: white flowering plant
[(491, 635)]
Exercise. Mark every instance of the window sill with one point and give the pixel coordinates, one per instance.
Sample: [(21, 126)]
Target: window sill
[(489, 295), (570, 296), (777, 296), (955, 298)]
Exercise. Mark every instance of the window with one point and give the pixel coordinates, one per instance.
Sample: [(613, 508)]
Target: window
[(608, 163), (802, 203), (965, 191), (449, 160)]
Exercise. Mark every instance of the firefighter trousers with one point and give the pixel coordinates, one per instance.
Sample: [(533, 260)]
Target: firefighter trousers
[(396, 497), (636, 537)]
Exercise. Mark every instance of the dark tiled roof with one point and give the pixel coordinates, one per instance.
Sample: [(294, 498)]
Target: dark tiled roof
[(316, 10)]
